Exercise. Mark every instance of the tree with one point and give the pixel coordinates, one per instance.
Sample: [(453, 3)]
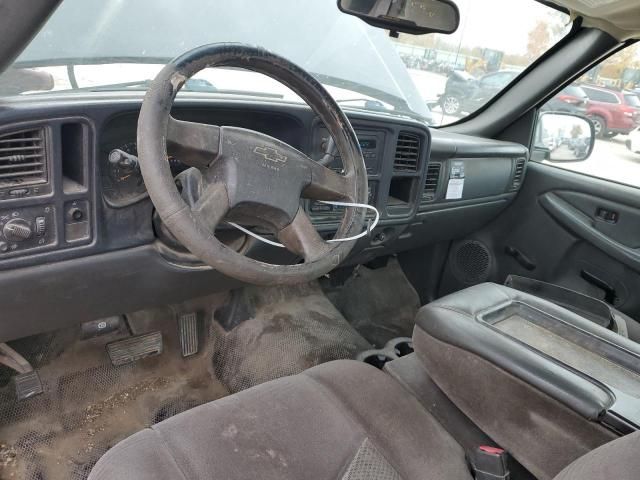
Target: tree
[(622, 69), (539, 40), (546, 32)]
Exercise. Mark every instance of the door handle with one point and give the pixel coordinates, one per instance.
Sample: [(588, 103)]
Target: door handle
[(520, 257)]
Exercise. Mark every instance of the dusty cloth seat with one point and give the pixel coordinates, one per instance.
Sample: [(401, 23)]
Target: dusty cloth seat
[(340, 420)]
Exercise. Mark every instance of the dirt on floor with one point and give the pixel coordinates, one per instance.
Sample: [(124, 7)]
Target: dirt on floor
[(381, 304), (88, 405), (288, 330)]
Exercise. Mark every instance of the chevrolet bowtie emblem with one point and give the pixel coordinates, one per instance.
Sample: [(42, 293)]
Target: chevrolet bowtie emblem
[(270, 154)]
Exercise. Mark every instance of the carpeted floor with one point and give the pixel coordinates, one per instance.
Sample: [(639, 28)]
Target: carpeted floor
[(258, 334), (380, 304), (88, 405), (282, 331)]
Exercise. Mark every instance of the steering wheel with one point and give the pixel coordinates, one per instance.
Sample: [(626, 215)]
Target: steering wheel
[(245, 176)]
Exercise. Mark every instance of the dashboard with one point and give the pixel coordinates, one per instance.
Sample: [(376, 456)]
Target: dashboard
[(78, 230)]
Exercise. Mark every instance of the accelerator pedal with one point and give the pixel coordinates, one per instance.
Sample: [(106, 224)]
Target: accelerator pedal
[(188, 327), (27, 385), (135, 348)]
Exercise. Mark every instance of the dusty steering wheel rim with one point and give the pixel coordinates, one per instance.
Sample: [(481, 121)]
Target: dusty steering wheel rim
[(153, 124)]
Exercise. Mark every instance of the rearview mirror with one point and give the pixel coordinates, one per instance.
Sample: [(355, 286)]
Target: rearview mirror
[(564, 137), (408, 16)]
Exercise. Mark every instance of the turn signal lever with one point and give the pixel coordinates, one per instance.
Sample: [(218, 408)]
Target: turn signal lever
[(124, 161), (329, 150)]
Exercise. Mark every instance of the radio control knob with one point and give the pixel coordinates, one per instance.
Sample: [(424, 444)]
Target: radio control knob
[(17, 230)]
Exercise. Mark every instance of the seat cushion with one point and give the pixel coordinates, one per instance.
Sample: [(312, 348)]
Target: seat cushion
[(619, 459), (340, 420)]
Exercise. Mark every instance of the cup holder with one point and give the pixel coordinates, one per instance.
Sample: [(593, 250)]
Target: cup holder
[(401, 346), (394, 349), (376, 358)]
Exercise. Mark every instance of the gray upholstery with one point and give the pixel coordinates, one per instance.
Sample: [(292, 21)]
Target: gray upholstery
[(346, 420), (340, 420), (541, 433), (619, 460)]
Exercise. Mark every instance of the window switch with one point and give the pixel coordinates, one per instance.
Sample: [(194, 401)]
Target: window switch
[(607, 215)]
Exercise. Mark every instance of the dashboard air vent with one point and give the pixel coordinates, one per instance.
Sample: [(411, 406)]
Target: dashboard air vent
[(23, 158), (431, 183), (518, 174), (407, 153)]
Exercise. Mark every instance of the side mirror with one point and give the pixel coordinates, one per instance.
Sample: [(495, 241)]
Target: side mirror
[(564, 137), (409, 16)]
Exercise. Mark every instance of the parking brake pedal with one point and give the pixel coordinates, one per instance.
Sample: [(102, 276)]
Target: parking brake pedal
[(135, 348), (188, 326), (27, 382)]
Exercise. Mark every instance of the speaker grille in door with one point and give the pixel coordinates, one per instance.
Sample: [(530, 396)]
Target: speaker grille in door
[(471, 262)]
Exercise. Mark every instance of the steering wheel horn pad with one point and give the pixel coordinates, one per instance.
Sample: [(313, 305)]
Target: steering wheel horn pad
[(247, 176)]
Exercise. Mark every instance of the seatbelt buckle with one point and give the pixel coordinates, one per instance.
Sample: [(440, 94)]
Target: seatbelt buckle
[(490, 463)]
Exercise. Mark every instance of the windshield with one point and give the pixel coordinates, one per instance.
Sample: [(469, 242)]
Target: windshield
[(92, 45), (497, 39)]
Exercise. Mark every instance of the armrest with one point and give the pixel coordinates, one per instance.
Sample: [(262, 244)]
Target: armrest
[(455, 320)]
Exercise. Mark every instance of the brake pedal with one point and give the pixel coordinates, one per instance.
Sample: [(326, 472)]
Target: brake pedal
[(27, 381), (135, 348), (188, 327)]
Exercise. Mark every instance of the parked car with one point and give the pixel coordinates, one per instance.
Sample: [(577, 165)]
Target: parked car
[(612, 111), (579, 146), (571, 99), (465, 93)]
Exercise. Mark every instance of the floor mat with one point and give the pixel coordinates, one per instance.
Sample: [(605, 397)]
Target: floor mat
[(379, 303), (88, 405), (288, 330)]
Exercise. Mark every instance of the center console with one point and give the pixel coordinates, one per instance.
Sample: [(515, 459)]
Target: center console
[(544, 382), (607, 361)]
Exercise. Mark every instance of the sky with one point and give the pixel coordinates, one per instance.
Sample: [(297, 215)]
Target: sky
[(498, 24)]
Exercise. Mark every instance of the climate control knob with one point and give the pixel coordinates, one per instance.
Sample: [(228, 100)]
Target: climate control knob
[(17, 230)]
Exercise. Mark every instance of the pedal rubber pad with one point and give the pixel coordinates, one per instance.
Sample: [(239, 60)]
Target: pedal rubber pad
[(132, 349), (188, 326), (27, 385)]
